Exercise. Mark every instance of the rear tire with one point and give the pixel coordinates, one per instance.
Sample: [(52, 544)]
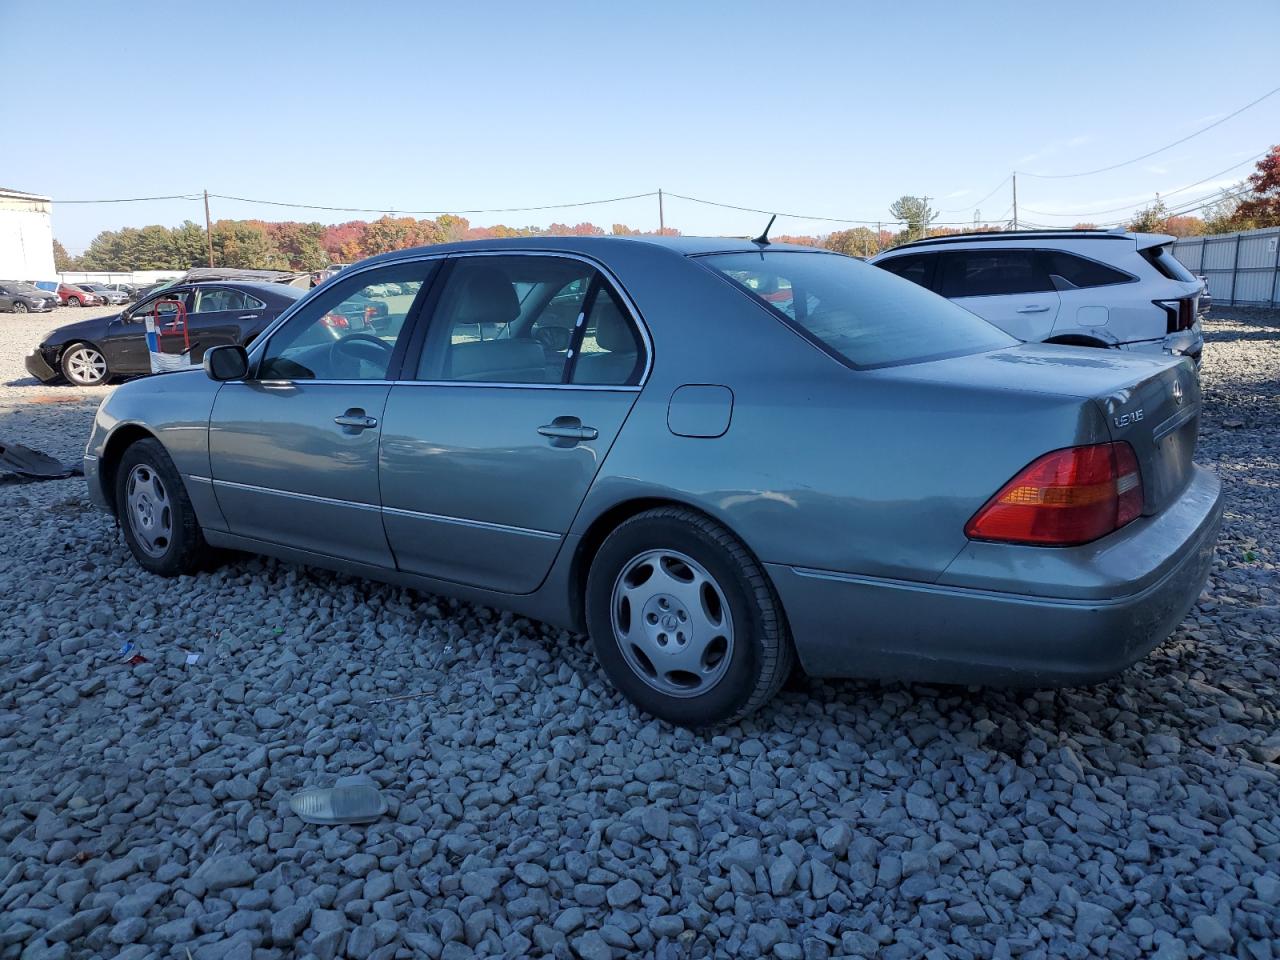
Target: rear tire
[(684, 620), (156, 515)]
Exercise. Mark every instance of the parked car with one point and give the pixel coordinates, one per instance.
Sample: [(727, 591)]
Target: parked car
[(711, 483), (93, 351), (105, 293), (18, 297), (1092, 288), (320, 276), (145, 291), (129, 290), (74, 295)]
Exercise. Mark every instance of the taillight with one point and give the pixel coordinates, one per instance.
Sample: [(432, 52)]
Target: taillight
[(1182, 313), (1065, 498), (335, 321)]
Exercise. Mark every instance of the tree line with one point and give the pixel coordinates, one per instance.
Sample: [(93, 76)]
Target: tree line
[(290, 245)]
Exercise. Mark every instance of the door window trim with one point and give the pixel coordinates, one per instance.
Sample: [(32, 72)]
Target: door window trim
[(423, 313)]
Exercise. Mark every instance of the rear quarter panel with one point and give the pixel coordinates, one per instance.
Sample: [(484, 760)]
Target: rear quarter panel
[(822, 466)]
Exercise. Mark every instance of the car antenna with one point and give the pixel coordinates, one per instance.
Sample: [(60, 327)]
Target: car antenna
[(763, 239)]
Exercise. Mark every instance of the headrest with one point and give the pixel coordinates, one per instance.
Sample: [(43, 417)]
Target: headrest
[(487, 296)]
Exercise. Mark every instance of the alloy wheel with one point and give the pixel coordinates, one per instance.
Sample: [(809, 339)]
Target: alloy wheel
[(85, 366), (19, 307), (150, 512), (672, 623)]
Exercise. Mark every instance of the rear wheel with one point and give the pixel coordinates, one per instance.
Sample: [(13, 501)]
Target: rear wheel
[(84, 365), (684, 620), (155, 512)]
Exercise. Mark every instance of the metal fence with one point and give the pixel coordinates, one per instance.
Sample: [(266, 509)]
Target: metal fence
[(1242, 268)]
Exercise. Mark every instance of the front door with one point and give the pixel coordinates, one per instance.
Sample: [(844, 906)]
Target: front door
[(1010, 288), (530, 365), (294, 448), (125, 345)]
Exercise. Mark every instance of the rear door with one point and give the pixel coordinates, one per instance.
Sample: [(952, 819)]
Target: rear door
[(488, 454), (919, 268), (218, 315), (1008, 287)]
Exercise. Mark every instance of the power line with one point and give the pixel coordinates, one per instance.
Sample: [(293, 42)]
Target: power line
[(1163, 193), (435, 213), (175, 196), (980, 202), (1125, 163)]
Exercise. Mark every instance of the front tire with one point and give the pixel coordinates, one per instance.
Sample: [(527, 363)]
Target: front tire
[(155, 512), (74, 302), (84, 365), (684, 620), (19, 307)]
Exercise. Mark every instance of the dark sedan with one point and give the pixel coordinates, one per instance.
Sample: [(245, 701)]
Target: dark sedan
[(93, 351), (25, 298)]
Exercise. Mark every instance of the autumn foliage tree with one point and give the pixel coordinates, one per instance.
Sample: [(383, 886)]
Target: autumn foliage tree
[(1261, 207)]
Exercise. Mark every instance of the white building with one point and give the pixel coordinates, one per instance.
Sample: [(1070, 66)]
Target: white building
[(26, 236)]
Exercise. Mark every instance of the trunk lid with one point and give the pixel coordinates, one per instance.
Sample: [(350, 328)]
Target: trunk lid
[(1151, 402), (1159, 416)]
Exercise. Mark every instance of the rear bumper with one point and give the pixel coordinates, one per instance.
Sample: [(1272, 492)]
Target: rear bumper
[(1184, 343), (39, 367), (848, 625)]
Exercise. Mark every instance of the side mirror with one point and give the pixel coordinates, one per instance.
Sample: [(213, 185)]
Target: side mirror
[(230, 362)]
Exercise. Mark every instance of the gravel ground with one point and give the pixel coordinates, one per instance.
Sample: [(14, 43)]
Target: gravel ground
[(143, 807)]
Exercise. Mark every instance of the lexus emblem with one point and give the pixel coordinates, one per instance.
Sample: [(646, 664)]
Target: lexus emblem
[(1177, 392)]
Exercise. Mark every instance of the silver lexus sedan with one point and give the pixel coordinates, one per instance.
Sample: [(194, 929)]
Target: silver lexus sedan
[(715, 456)]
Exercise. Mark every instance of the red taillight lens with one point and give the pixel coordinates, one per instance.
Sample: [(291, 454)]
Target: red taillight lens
[(1066, 497), (335, 321)]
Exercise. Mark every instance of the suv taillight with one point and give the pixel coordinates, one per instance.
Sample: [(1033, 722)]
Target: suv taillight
[(1182, 312), (1064, 498)]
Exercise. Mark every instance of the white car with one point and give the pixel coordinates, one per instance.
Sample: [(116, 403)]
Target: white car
[(1083, 287)]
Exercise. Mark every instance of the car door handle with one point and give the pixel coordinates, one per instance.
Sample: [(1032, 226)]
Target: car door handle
[(356, 420), (247, 316), (1034, 309), (568, 428)]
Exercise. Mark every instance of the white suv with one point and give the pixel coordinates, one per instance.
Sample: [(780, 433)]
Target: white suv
[(1082, 287)]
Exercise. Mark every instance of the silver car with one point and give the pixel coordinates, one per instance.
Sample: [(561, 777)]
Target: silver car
[(715, 456)]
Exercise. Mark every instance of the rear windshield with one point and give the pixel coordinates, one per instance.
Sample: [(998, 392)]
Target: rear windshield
[(1162, 259), (863, 315)]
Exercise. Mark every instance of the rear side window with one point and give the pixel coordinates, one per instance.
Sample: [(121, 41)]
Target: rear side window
[(990, 273), (1079, 272), (857, 312), (918, 268), (1162, 259)]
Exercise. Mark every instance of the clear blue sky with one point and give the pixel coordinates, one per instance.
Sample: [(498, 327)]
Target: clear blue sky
[(821, 108)]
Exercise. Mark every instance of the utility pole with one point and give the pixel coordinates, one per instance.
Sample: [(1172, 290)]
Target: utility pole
[(662, 223), (1015, 200), (208, 227), (924, 217), (877, 236)]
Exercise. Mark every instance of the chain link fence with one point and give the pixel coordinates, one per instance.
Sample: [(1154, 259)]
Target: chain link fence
[(1242, 268)]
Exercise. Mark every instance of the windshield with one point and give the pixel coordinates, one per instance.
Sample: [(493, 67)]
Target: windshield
[(864, 315)]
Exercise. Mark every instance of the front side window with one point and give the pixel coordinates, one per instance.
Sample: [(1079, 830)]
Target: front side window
[(162, 307), (1074, 272), (216, 299), (990, 273), (530, 319), (350, 330), (863, 315)]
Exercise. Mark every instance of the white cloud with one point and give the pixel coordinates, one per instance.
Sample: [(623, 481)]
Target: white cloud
[(1053, 148)]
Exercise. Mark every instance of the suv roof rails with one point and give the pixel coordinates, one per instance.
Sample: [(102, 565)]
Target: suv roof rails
[(1116, 234)]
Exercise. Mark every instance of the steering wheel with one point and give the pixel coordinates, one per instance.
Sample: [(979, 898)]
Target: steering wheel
[(360, 347)]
